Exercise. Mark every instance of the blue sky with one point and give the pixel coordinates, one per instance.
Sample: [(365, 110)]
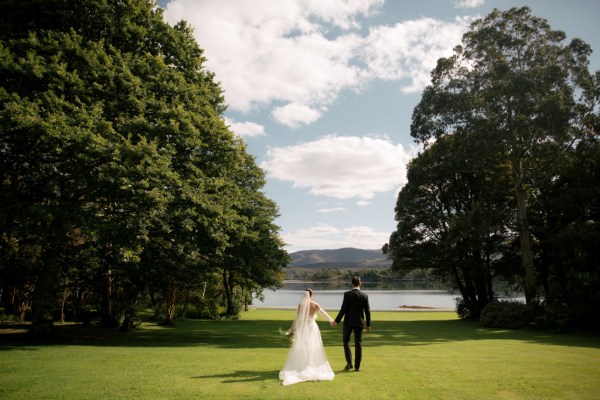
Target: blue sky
[(322, 92)]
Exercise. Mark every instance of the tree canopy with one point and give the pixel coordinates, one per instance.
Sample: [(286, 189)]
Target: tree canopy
[(119, 175), (503, 121)]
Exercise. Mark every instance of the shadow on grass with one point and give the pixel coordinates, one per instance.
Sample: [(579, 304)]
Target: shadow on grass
[(243, 376), (265, 334), (251, 376)]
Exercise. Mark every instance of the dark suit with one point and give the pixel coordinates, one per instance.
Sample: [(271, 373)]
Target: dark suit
[(356, 313)]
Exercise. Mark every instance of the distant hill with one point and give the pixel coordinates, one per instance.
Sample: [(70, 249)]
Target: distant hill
[(345, 258)]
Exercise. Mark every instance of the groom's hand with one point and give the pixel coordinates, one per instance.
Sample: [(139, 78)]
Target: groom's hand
[(334, 324), (368, 329)]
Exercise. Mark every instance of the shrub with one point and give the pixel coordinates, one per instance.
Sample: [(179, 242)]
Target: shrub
[(461, 308), (509, 314), (554, 316)]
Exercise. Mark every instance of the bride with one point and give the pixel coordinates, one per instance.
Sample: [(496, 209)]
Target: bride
[(306, 360)]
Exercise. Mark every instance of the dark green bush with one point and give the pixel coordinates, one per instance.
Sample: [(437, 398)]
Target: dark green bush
[(509, 314), (461, 308), (555, 316)]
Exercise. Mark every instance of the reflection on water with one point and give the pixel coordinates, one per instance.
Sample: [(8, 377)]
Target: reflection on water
[(382, 296)]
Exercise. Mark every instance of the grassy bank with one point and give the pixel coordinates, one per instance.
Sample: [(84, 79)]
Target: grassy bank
[(408, 355)]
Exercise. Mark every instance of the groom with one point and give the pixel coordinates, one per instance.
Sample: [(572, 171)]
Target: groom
[(355, 308)]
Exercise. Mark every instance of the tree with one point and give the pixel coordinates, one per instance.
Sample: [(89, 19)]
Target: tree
[(253, 258), (515, 81), (567, 214), (114, 154), (452, 217), (67, 170)]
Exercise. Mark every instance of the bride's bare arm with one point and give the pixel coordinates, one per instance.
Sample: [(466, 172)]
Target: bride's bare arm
[(325, 315)]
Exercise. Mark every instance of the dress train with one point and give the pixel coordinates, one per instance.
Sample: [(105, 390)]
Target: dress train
[(307, 360)]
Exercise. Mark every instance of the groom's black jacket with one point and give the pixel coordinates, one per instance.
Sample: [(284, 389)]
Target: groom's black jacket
[(356, 309)]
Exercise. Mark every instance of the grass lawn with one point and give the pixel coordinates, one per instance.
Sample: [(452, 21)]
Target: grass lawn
[(408, 355)]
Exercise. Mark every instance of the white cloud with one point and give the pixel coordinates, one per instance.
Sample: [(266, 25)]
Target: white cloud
[(468, 3), (323, 236), (246, 129), (295, 114), (266, 51), (409, 50), (331, 210), (341, 166), (307, 52), (365, 237)]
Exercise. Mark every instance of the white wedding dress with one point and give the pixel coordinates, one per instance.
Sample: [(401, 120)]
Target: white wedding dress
[(306, 360)]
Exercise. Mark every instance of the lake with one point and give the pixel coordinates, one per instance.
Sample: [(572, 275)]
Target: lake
[(382, 296)]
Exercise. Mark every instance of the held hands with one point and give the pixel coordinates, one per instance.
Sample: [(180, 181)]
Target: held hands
[(333, 323)]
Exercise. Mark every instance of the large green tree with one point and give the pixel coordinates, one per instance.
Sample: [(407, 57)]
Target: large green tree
[(68, 172), (114, 147), (515, 80), (566, 222), (254, 255), (452, 218)]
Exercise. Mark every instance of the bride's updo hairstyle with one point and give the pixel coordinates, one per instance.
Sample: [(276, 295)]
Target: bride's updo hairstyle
[(309, 290)]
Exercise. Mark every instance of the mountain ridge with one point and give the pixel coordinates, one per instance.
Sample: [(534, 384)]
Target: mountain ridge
[(342, 258)]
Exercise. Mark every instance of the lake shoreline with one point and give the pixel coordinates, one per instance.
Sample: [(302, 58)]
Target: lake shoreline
[(399, 298), (399, 309)]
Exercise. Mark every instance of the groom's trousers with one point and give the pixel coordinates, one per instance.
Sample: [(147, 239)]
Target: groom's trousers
[(357, 344)]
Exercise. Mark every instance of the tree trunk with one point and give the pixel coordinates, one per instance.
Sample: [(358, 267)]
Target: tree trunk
[(488, 276), (24, 306), (63, 301), (77, 296), (45, 296), (524, 234), (22, 300), (170, 298), (107, 320), (227, 285), (247, 298)]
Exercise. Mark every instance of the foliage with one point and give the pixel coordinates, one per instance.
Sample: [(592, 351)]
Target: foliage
[(452, 219), (462, 310), (508, 174), (506, 314), (343, 274), (119, 175), (569, 269)]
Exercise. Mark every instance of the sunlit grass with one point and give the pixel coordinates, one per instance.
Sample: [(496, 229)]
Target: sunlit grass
[(408, 355)]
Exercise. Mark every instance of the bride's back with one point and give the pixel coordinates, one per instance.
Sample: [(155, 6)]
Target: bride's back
[(314, 307)]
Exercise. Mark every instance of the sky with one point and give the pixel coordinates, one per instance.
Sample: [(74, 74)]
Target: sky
[(322, 93)]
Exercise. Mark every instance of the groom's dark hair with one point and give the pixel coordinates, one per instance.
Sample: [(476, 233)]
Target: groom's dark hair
[(356, 281)]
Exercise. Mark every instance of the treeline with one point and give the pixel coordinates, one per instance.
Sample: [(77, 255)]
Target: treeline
[(121, 184), (508, 183), (367, 275)]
